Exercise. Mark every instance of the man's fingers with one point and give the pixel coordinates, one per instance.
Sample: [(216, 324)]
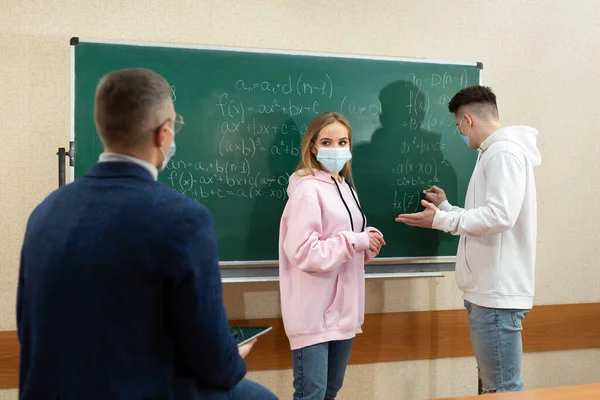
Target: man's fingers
[(411, 217), (409, 223), (244, 349), (405, 219), (428, 205), (434, 189), (430, 196)]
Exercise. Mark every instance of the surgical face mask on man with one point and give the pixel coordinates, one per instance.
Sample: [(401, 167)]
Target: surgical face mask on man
[(333, 159), (170, 153), (466, 137)]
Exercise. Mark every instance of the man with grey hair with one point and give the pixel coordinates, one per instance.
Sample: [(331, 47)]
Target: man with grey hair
[(119, 292)]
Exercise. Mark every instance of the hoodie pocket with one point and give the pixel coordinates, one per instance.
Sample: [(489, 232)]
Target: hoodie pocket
[(332, 313), (481, 264), (341, 313), (466, 255), (464, 275)]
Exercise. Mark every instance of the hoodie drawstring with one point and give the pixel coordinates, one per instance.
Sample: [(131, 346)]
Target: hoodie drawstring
[(358, 205), (346, 205)]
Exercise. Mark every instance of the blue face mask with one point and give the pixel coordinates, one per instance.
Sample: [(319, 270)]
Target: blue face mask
[(169, 155), (334, 159), (465, 138)]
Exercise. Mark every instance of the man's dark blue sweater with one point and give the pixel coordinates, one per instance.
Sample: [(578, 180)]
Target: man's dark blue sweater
[(119, 291)]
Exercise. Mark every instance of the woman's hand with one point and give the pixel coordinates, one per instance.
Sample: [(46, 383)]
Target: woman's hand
[(375, 241)]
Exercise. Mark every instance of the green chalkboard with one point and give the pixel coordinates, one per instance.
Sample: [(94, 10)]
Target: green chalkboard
[(245, 113)]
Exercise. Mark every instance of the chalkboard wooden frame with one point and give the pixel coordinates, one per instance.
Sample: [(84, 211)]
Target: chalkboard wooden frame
[(428, 260)]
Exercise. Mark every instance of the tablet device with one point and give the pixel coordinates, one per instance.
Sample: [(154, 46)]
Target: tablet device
[(244, 334)]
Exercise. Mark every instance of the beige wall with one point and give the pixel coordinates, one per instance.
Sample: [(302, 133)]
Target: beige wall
[(540, 58)]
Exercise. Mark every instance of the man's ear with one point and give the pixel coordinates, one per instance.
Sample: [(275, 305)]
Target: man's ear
[(160, 136), (469, 119)]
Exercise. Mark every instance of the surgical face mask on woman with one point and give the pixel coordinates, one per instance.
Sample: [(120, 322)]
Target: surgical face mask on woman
[(334, 158)]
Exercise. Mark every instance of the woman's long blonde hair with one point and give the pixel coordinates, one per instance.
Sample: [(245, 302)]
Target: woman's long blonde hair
[(308, 161)]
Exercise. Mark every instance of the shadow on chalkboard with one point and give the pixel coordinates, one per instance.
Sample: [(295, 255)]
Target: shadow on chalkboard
[(389, 172), (278, 161)]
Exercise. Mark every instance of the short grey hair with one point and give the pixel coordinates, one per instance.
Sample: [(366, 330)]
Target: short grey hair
[(130, 105)]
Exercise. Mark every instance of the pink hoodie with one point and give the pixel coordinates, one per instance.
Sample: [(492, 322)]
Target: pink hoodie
[(322, 261)]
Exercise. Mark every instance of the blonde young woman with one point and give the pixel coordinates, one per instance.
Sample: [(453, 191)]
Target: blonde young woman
[(323, 247)]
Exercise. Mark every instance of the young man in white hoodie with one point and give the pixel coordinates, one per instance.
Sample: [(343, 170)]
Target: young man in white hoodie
[(495, 261)]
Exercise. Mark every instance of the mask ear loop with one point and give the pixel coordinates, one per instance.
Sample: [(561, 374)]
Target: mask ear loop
[(316, 148), (470, 126)]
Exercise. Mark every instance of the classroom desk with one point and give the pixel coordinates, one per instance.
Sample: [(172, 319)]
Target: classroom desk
[(582, 392)]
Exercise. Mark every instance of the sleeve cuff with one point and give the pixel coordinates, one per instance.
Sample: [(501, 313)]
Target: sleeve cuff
[(439, 219), (362, 241), (445, 206)]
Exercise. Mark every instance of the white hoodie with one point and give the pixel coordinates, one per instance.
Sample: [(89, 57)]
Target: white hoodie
[(495, 261)]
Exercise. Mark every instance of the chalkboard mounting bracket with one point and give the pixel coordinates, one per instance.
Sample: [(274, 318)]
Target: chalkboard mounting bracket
[(62, 153), (74, 41), (479, 65)]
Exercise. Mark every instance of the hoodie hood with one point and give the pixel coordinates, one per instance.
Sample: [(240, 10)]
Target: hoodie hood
[(303, 174), (523, 136)]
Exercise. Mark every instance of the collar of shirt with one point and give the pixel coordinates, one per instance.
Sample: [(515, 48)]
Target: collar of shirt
[(118, 157)]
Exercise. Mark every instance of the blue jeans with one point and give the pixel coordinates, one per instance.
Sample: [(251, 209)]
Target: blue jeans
[(496, 339), (319, 369), (187, 389)]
